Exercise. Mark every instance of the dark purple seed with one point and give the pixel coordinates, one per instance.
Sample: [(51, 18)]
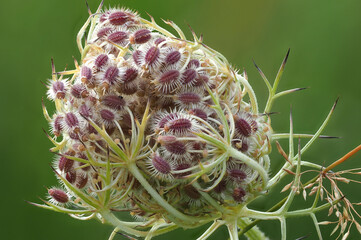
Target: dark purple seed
[(163, 140), (79, 91), (57, 125), (74, 135), (85, 110), (101, 60), (58, 86), (166, 119), (117, 37), (71, 120), (182, 166), (137, 57), (161, 165), (192, 192), (189, 75), (238, 194), (194, 63), (170, 76), (107, 115), (128, 89), (243, 127), (152, 56), (58, 195), (199, 113), (85, 169), (173, 57), (142, 36), (237, 175), (86, 72), (159, 41), (177, 148), (118, 18), (179, 126), (200, 80), (102, 18), (91, 129), (111, 74), (114, 102), (189, 98), (104, 31), (71, 176), (82, 180), (221, 187), (129, 75)]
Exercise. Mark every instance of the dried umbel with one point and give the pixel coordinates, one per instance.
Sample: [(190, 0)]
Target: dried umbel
[(166, 129)]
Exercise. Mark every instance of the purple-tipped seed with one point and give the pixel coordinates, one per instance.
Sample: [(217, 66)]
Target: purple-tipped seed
[(59, 195), (152, 56), (170, 76), (118, 18), (142, 36), (107, 115), (57, 125), (189, 75), (85, 110), (192, 192), (200, 80), (161, 165), (59, 89), (166, 119), (243, 127), (137, 57), (117, 37), (130, 75), (238, 194), (82, 180), (79, 91), (177, 148), (114, 102), (199, 113), (65, 164), (159, 41), (237, 175), (103, 32), (173, 57), (111, 74), (221, 187), (182, 166), (70, 176), (189, 98), (178, 126), (71, 120), (86, 73), (194, 63), (101, 60)]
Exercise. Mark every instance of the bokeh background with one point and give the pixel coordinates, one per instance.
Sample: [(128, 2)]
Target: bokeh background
[(325, 41)]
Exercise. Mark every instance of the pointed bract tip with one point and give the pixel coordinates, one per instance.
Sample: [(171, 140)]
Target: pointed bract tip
[(330, 137), (286, 57), (87, 6), (335, 104)]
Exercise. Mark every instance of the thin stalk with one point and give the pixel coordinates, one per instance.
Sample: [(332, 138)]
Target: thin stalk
[(169, 208), (215, 225)]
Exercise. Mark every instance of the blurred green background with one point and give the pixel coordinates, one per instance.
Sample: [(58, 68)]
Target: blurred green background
[(325, 41)]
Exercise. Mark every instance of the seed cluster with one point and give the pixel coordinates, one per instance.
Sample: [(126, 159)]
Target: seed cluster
[(130, 64)]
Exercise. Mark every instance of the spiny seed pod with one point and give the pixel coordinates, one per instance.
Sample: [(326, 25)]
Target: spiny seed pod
[(58, 195), (166, 129)]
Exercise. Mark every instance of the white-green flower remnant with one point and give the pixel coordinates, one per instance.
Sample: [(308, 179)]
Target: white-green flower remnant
[(164, 128)]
